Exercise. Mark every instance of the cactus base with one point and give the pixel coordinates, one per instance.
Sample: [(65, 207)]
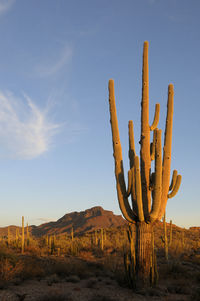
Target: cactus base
[(143, 252)]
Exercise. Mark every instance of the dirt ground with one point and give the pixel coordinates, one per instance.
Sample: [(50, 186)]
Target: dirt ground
[(98, 282)]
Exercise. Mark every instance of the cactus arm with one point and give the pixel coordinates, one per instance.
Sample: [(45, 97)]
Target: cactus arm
[(145, 162), (158, 176), (156, 117), (152, 147), (133, 192), (129, 182), (131, 143), (119, 171), (173, 182), (175, 188), (167, 150), (138, 190), (132, 155), (152, 181)]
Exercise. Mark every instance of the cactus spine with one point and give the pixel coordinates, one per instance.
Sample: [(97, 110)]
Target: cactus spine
[(149, 190), (22, 234)]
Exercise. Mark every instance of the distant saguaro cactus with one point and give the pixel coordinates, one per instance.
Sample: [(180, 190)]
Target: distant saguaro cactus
[(72, 234), (22, 234), (102, 239), (165, 239), (8, 240), (170, 233), (27, 235), (149, 190)]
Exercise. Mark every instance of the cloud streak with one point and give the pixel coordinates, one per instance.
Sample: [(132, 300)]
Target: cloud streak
[(5, 5), (54, 66), (26, 131)]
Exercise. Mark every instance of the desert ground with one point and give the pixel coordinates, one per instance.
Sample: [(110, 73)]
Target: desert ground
[(89, 265)]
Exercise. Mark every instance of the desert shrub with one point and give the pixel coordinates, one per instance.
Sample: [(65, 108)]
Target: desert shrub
[(10, 267), (52, 279), (60, 268), (73, 279), (198, 277), (32, 268), (33, 250), (196, 294)]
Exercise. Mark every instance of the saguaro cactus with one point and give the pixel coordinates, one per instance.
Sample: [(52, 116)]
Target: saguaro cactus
[(8, 240), (149, 190), (165, 238), (22, 234), (170, 233)]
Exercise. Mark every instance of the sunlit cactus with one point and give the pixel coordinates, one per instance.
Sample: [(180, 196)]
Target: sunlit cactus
[(22, 234), (149, 190), (8, 240), (170, 233), (165, 238)]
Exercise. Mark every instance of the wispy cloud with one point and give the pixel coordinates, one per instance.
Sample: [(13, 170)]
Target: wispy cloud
[(52, 67), (5, 5), (26, 131), (45, 220)]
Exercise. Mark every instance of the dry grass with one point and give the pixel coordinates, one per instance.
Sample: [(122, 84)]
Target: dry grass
[(83, 259)]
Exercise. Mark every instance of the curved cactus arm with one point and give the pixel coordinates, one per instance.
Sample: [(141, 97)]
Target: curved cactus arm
[(145, 160), (138, 190), (167, 151), (130, 178), (133, 192), (158, 176), (175, 188), (131, 143), (173, 182), (132, 155), (119, 170), (152, 181), (152, 147), (156, 117)]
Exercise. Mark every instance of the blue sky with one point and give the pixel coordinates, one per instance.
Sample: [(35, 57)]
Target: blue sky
[(56, 58)]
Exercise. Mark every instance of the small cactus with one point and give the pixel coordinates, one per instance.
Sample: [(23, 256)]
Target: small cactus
[(102, 239), (8, 240), (170, 233), (72, 234), (165, 239), (27, 235), (22, 234)]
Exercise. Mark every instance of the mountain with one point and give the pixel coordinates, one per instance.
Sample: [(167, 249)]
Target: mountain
[(84, 221)]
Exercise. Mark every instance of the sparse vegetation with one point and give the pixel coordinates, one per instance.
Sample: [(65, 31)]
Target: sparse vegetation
[(93, 267)]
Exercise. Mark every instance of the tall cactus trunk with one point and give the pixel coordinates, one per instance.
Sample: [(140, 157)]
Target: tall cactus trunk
[(143, 252)]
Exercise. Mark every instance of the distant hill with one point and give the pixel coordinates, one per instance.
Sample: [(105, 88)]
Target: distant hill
[(84, 221), (81, 222)]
